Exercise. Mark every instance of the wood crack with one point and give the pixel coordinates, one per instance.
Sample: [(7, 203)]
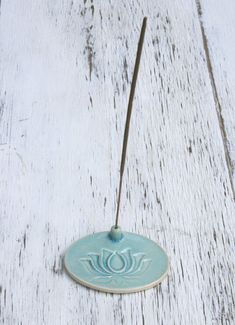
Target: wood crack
[(218, 106)]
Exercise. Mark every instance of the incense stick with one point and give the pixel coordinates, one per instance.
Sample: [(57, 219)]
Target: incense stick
[(128, 116)]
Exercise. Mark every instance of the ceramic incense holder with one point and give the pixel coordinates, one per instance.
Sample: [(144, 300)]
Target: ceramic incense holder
[(115, 261)]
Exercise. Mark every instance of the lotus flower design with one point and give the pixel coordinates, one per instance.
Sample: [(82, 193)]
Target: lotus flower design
[(113, 265)]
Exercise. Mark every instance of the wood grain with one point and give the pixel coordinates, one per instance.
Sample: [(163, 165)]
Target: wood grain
[(66, 69), (217, 20)]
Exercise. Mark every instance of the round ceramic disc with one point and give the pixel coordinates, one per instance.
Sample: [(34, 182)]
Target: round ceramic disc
[(131, 264)]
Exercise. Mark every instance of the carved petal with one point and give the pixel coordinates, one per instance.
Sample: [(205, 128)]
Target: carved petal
[(103, 258), (94, 261), (137, 258), (144, 264), (129, 259)]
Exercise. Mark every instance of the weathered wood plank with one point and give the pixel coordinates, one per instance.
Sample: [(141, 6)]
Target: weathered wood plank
[(218, 21), (216, 49), (66, 69)]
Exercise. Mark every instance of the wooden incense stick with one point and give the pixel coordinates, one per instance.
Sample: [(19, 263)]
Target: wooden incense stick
[(128, 116)]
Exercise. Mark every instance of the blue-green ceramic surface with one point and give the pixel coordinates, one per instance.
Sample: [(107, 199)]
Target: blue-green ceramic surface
[(116, 262)]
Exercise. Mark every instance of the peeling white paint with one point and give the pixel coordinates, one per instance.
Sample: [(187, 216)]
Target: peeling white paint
[(65, 72)]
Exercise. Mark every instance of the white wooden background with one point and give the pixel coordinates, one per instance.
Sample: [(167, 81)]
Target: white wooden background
[(65, 72)]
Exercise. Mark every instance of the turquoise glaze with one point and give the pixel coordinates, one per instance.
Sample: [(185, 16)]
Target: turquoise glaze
[(116, 261)]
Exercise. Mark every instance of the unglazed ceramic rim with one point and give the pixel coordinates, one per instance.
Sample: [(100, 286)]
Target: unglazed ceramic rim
[(119, 291)]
